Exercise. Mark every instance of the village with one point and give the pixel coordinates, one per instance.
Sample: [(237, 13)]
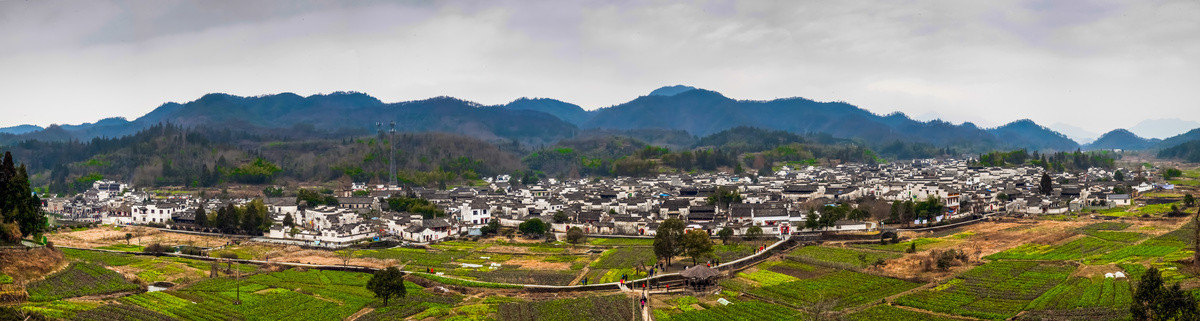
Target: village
[(787, 202)]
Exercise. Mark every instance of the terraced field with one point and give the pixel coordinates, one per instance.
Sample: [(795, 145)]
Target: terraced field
[(847, 288), (80, 279), (996, 290), (311, 295), (612, 307), (839, 257), (1080, 248), (749, 310), (885, 312), (1100, 298)]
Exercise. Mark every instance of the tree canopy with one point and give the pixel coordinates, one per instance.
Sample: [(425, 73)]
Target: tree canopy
[(387, 283), (533, 227), (668, 239), (19, 207)]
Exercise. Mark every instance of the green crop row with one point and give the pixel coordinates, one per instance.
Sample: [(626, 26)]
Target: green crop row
[(839, 257), (747, 311), (79, 279), (767, 277), (922, 244), (1086, 293), (1077, 249), (885, 312), (626, 257), (602, 308), (848, 288), (996, 290)]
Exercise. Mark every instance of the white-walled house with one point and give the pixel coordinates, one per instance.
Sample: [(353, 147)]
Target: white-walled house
[(153, 213), (474, 213)]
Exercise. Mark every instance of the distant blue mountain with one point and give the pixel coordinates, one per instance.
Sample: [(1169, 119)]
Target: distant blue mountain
[(1121, 139), (703, 112), (1027, 134), (671, 90), (566, 111), (20, 129), (542, 121)]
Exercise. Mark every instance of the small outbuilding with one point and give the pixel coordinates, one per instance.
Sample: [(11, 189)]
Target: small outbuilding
[(700, 277)]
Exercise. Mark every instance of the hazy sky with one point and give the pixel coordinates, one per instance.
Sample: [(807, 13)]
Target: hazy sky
[(1094, 65)]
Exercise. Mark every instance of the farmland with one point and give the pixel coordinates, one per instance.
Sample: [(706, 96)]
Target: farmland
[(885, 312), (1023, 269), (922, 244), (995, 290), (1101, 296), (749, 310), (1080, 248), (847, 288), (612, 307), (80, 279), (839, 257)]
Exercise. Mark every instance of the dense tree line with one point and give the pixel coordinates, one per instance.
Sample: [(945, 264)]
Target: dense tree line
[(251, 218), (169, 155), (414, 205), (1059, 161), (20, 210), (315, 198), (829, 215)]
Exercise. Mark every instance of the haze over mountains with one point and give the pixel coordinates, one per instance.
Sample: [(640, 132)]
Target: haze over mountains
[(539, 121)]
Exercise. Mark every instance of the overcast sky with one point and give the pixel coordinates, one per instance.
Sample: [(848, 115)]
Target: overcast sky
[(1093, 65)]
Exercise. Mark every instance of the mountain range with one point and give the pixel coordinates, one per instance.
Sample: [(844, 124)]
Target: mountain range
[(543, 121)]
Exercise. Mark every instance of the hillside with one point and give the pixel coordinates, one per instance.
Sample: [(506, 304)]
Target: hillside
[(703, 112), (1189, 151), (1180, 139), (167, 155), (568, 112), (1121, 139), (540, 122), (1027, 134), (352, 112)]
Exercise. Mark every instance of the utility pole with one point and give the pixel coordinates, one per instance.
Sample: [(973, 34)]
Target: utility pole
[(392, 158)]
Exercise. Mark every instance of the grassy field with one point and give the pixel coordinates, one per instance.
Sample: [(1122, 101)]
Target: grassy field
[(996, 290), (839, 257), (79, 279)]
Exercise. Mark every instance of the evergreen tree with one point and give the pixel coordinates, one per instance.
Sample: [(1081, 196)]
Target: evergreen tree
[(1047, 184), (18, 205), (201, 216)]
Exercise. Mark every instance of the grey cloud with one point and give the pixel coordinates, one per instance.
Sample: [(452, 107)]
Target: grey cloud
[(1079, 63)]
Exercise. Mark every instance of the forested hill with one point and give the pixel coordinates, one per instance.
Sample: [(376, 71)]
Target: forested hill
[(703, 112), (1189, 151), (345, 112), (168, 155), (171, 155), (542, 121), (1122, 139)]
